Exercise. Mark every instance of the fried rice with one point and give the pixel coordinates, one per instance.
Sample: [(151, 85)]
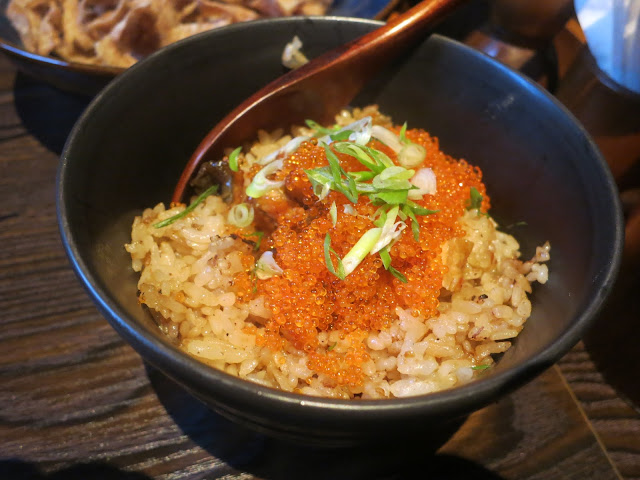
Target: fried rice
[(268, 302)]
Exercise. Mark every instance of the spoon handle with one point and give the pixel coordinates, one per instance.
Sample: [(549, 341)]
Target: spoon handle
[(320, 88), (392, 38)]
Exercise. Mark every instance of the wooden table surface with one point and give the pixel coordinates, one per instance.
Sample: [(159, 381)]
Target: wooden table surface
[(76, 402)]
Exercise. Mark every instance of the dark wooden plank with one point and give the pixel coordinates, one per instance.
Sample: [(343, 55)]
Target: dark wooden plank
[(615, 419), (537, 432)]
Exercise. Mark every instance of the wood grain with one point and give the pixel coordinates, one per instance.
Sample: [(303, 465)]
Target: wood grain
[(613, 417), (76, 402)]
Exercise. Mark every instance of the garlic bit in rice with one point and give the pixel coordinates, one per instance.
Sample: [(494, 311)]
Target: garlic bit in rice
[(292, 55), (358, 275)]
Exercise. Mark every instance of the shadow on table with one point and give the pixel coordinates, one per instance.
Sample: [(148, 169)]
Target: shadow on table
[(19, 470), (275, 459), (612, 341), (47, 113)]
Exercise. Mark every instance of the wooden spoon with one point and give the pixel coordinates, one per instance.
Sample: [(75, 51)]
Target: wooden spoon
[(318, 89)]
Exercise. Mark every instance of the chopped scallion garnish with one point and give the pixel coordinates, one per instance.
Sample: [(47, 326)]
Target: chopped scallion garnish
[(475, 199), (409, 154), (360, 153), (385, 257), (333, 213), (241, 215), (321, 181), (258, 234), (480, 367), (384, 183), (387, 137), (403, 133), (341, 136), (319, 130), (386, 262), (412, 155), (379, 217), (327, 259), (359, 133), (233, 159), (168, 221), (397, 274), (342, 182), (418, 210), (260, 184), (394, 178), (390, 230), (360, 250), (392, 197)]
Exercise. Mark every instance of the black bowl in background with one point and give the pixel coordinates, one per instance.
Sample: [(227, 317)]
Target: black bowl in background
[(87, 79), (540, 167)]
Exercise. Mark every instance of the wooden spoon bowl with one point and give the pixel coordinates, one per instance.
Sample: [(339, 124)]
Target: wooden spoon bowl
[(318, 89)]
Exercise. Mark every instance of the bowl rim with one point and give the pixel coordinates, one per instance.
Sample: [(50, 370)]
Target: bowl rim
[(465, 397), (17, 52)]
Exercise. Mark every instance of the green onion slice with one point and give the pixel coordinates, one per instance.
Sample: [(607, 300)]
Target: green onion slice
[(475, 199), (168, 221), (333, 213), (418, 210), (340, 273), (360, 250), (359, 132), (397, 274), (342, 135), (402, 136), (241, 215), (391, 230), (360, 154), (392, 197), (260, 184), (342, 182), (385, 184), (258, 234), (319, 130), (387, 137), (480, 367), (412, 155), (379, 217), (386, 261), (415, 226), (393, 178), (233, 159)]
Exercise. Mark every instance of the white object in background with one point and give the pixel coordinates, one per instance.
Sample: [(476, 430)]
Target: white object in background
[(612, 30)]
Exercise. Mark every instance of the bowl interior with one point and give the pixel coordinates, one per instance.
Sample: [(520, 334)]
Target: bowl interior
[(128, 149)]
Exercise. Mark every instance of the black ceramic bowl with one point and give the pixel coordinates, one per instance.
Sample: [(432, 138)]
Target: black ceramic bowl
[(128, 149)]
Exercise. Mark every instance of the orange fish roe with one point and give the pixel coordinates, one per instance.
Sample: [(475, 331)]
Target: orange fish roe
[(243, 282), (308, 299)]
